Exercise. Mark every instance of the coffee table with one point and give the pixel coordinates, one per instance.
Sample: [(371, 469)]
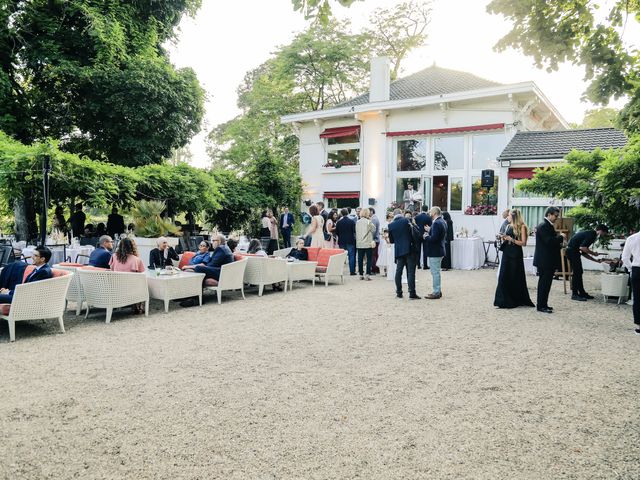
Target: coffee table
[(172, 287), (301, 270)]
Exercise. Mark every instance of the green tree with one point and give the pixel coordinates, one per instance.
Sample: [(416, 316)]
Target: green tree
[(598, 118), (319, 9), (607, 183)]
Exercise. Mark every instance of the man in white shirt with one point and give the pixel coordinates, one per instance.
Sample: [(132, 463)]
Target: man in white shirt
[(631, 260)]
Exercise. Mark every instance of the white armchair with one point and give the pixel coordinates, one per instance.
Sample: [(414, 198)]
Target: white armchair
[(39, 300), (75, 293), (263, 271), (231, 278), (107, 289), (334, 268)]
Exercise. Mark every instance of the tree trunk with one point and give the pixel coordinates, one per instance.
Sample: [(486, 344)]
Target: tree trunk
[(26, 227)]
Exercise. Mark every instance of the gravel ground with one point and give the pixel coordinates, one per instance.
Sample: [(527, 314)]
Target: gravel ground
[(338, 382)]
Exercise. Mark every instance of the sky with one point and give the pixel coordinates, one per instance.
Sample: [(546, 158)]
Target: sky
[(227, 39)]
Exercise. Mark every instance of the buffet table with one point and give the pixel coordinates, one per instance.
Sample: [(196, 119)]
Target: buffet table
[(467, 253)]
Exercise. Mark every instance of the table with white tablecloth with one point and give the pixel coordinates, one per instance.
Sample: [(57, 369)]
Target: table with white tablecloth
[(58, 254), (467, 253)]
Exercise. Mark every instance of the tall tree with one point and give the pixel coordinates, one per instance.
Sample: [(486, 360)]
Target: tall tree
[(318, 9), (599, 118)]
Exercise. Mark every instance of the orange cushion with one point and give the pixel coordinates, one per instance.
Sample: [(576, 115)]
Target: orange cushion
[(71, 264), (91, 267), (5, 308), (186, 258), (211, 282), (237, 257), (312, 253), (325, 253), (58, 272), (27, 272)]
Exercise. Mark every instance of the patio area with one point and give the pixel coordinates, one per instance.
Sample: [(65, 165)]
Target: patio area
[(338, 382)]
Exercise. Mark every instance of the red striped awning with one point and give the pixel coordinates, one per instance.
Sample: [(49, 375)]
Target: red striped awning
[(521, 173), (342, 195), (438, 131), (340, 132)]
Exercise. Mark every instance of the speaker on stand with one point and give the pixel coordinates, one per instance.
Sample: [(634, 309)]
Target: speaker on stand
[(487, 178)]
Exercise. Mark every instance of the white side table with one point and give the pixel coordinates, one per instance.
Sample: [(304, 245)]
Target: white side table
[(614, 285), (172, 287), (301, 270)]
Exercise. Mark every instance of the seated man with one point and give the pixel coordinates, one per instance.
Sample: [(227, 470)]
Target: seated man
[(40, 257), (100, 256), (12, 275), (221, 255)]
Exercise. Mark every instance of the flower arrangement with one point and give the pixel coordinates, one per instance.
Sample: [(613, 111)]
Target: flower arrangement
[(481, 210), (331, 163)]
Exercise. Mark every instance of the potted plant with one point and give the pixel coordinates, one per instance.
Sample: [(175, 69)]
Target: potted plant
[(150, 225)]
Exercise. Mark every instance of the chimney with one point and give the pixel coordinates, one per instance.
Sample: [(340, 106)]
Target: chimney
[(380, 79)]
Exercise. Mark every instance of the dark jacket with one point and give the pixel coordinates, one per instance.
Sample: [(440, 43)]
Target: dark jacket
[(290, 221), (436, 238), (299, 254), (43, 273), (220, 256), (400, 235), (157, 260), (548, 245), (100, 258), (346, 231), (115, 224), (12, 275), (423, 219), (76, 223)]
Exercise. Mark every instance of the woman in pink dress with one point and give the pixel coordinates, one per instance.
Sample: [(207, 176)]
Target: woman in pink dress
[(126, 260)]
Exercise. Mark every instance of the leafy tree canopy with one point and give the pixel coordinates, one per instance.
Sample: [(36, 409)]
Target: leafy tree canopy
[(606, 183), (320, 9), (598, 118)]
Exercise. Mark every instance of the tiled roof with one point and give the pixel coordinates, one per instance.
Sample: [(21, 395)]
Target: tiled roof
[(429, 82), (557, 144)]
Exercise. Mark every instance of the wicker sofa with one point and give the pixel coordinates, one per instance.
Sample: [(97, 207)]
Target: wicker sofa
[(330, 262)]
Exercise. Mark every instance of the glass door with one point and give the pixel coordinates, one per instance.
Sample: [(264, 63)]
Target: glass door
[(425, 188)]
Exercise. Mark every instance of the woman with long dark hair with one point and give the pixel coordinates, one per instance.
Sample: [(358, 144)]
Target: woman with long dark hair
[(126, 260), (446, 261), (512, 290)]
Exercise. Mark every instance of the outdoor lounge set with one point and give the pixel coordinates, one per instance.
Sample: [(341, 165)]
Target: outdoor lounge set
[(100, 288)]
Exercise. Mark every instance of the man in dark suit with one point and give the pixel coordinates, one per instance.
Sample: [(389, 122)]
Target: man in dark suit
[(115, 223), (423, 219), (220, 256), (101, 256), (400, 234), (346, 232), (547, 256), (76, 221), (286, 224), (42, 272), (435, 239)]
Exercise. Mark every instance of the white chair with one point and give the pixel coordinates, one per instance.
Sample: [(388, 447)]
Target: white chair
[(334, 268), (75, 293), (263, 271), (614, 285), (107, 289), (39, 300), (231, 278), (282, 253)]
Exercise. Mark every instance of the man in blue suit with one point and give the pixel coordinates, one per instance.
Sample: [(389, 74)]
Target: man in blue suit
[(42, 272), (424, 219), (220, 256), (100, 256), (435, 239), (346, 232), (286, 224), (400, 234)]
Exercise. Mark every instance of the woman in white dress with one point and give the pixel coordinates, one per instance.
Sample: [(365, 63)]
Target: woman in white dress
[(315, 229)]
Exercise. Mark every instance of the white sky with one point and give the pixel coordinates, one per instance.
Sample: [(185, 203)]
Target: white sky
[(229, 38)]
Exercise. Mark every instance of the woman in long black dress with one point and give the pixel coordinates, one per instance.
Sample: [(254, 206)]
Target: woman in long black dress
[(512, 284), (446, 261)]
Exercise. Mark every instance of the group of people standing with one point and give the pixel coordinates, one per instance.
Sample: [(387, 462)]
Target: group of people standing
[(76, 224)]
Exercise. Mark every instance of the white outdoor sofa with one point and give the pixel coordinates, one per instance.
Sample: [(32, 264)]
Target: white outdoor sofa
[(39, 300), (231, 278), (334, 268), (75, 293), (107, 289), (263, 271)]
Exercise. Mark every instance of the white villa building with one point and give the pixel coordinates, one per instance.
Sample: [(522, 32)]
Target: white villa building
[(437, 129)]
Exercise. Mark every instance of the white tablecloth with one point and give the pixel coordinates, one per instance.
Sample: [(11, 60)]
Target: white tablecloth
[(57, 254), (467, 253), (72, 253)]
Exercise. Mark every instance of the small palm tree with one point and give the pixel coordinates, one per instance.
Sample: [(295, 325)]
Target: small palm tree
[(147, 215)]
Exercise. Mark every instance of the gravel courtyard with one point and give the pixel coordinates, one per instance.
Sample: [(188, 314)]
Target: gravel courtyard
[(329, 383)]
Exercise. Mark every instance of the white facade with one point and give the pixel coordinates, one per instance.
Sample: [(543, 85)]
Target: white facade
[(407, 140)]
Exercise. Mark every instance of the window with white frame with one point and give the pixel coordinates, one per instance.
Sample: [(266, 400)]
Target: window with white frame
[(412, 155), (448, 153), (343, 151), (485, 148)]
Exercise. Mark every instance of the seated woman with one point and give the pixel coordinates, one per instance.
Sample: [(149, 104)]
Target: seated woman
[(255, 248), (299, 252), (202, 257), (126, 260), (163, 255)]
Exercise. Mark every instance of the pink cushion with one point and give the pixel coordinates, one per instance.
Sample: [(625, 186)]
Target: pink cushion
[(5, 308), (70, 264), (58, 272), (325, 253), (186, 258), (91, 267), (211, 282), (27, 272), (312, 253), (237, 257)]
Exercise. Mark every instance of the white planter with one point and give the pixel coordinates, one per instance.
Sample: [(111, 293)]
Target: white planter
[(145, 245), (614, 285)]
